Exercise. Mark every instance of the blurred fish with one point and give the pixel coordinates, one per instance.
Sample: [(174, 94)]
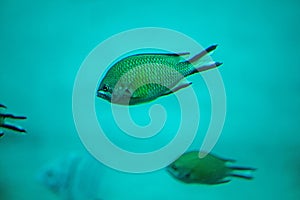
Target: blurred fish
[(189, 168), (4, 124), (73, 177), (142, 78)]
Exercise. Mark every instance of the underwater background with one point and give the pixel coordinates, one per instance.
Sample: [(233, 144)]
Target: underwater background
[(43, 43)]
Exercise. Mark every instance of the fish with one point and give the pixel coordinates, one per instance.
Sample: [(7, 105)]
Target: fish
[(74, 176), (4, 124), (210, 170), (142, 78)]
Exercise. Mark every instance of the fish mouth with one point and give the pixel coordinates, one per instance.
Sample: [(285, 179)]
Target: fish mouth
[(170, 170), (104, 95), (173, 173)]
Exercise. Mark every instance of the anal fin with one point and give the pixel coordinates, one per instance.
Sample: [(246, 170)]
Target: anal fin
[(178, 87), (222, 181)]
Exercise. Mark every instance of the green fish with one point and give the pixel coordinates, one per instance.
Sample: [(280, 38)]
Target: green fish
[(142, 78), (189, 168), (3, 124)]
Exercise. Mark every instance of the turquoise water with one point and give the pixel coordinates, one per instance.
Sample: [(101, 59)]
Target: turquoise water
[(44, 43)]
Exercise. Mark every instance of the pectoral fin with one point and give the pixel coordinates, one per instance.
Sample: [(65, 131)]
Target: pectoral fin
[(128, 93), (143, 94)]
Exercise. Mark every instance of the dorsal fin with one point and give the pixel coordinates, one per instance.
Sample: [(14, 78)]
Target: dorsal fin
[(167, 54)]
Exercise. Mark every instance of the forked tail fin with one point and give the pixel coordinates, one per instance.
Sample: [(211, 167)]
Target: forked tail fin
[(202, 61), (247, 172)]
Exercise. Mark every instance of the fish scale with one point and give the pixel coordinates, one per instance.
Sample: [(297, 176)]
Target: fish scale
[(190, 168), (142, 78), (162, 80)]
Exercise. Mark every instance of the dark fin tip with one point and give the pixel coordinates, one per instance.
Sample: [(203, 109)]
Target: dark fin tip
[(218, 64), (13, 127), (2, 106), (20, 117), (182, 54), (21, 131), (242, 168), (211, 48)]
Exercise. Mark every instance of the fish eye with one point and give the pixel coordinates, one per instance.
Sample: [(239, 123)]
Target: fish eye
[(187, 175), (49, 174), (174, 167), (105, 88)]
